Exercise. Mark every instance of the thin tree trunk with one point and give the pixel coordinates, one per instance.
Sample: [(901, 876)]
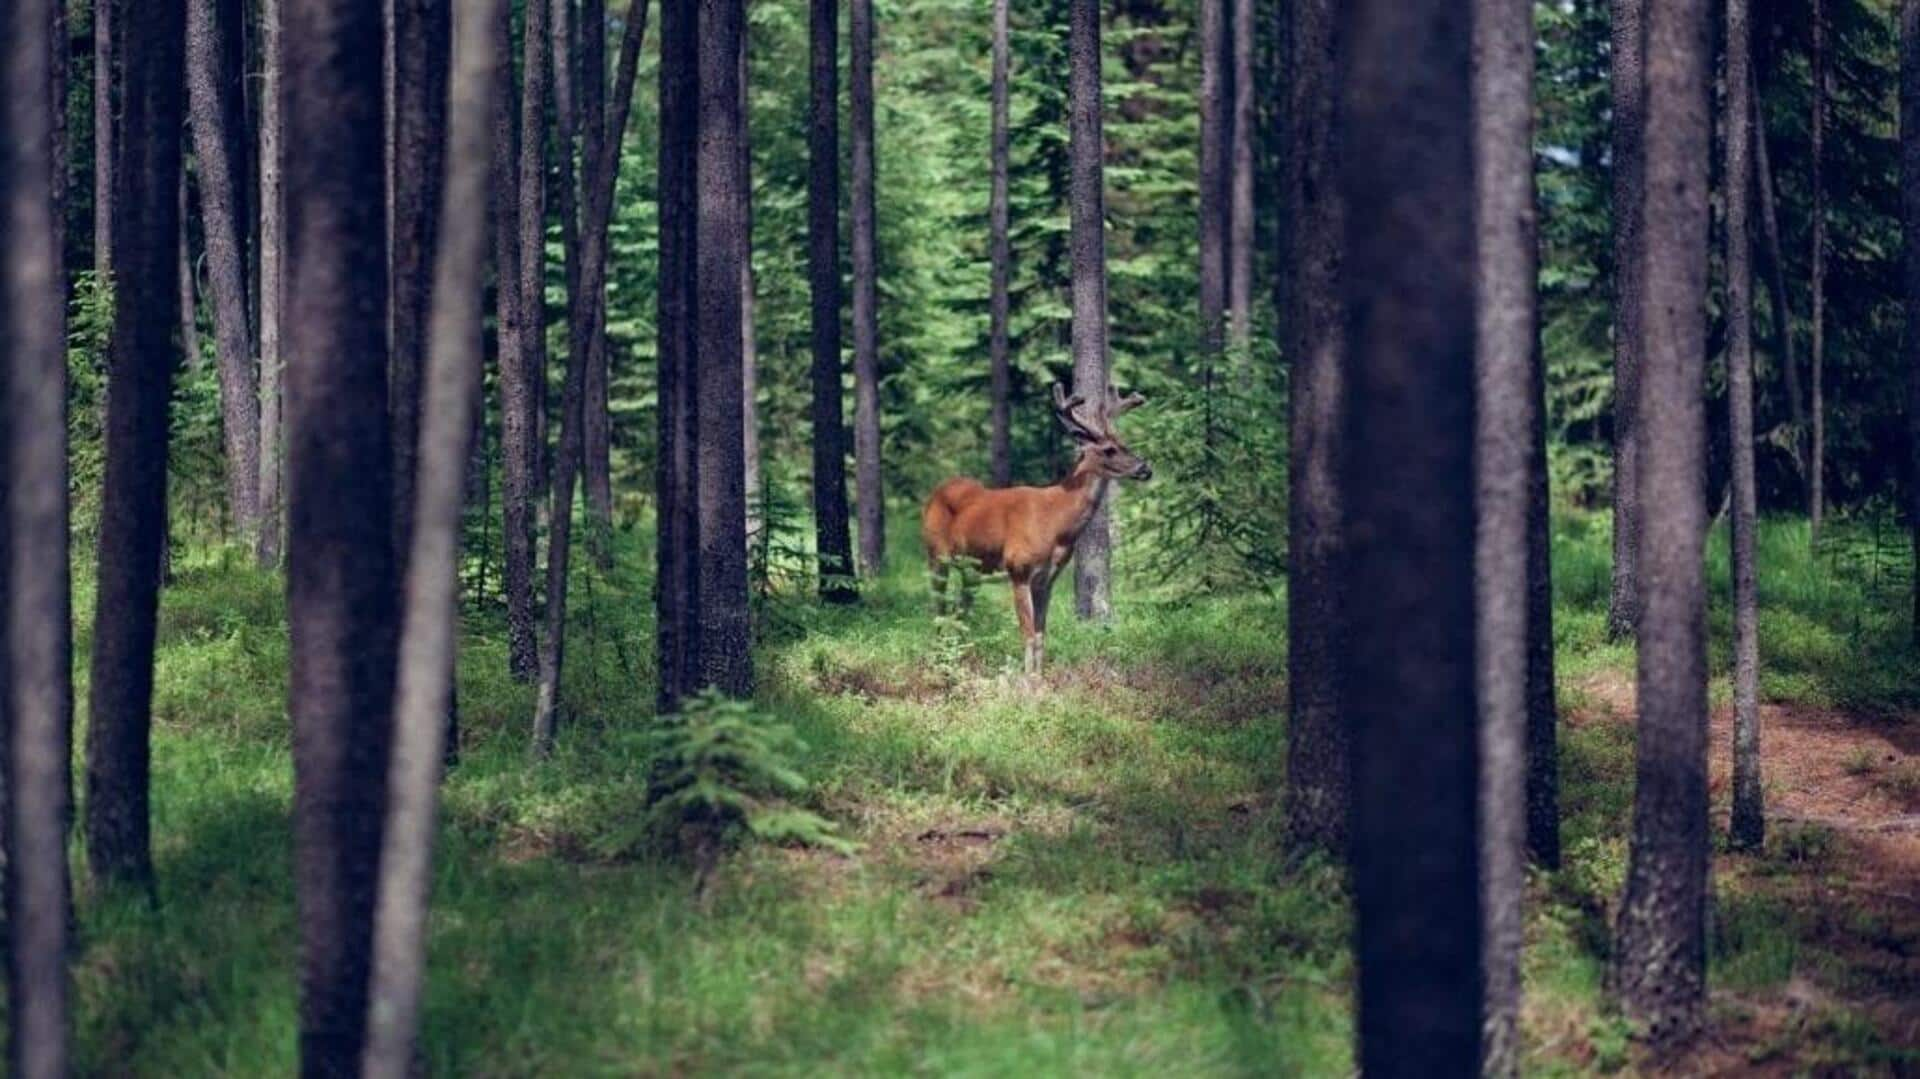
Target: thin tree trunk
[(189, 312), (1748, 823), (1086, 152), (1408, 168), (144, 356), (1775, 264), (272, 295), (419, 56), (868, 493), (726, 662), (749, 353), (598, 462), (1317, 737), (219, 163), (676, 597), (423, 696), (1505, 403), (1659, 962), (517, 429), (1816, 467), (534, 86), (831, 529), (1910, 264), (563, 60), (342, 588), (1000, 454), (107, 92), (36, 647), (1216, 149), (1543, 712), (1629, 84), (1240, 217)]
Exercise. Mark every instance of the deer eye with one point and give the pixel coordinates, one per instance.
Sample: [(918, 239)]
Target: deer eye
[(1110, 451)]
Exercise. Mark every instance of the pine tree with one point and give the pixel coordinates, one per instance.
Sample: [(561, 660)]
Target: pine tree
[(830, 512), (1748, 823), (1629, 185), (1086, 151)]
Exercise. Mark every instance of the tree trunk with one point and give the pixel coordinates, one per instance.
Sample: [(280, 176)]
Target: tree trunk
[(515, 378), (220, 163), (1816, 468), (831, 530), (1086, 152), (1629, 84), (419, 55), (189, 313), (342, 589), (1543, 719), (1910, 264), (564, 64), (140, 371), (1408, 168), (726, 662), (107, 92), (272, 295), (1506, 403), (676, 597), (749, 353), (868, 491), (1216, 149), (598, 423), (1748, 823), (1317, 738), (423, 697), (1775, 263), (533, 306), (1240, 217), (1000, 454), (1660, 953), (36, 647)]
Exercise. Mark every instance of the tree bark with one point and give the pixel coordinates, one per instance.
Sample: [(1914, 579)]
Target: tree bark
[(1910, 264), (1086, 153), (1408, 168), (1000, 453), (1240, 217), (1775, 263), (868, 492), (1216, 149), (140, 371), (107, 91), (598, 422), (1317, 737), (1659, 967), (1629, 85), (534, 86), (189, 313), (421, 29), (1816, 467), (423, 697), (342, 588), (517, 429), (1748, 822), (36, 647), (676, 586), (220, 164), (832, 532), (749, 353), (1504, 458), (1543, 711), (272, 294)]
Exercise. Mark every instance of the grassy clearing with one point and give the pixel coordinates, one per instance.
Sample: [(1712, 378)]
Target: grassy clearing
[(1076, 878)]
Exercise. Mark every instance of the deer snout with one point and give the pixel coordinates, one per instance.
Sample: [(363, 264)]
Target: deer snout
[(1144, 472)]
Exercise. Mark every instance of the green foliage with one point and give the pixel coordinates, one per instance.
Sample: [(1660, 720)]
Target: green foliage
[(89, 328)]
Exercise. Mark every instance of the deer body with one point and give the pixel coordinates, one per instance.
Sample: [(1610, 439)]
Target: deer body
[(1029, 532)]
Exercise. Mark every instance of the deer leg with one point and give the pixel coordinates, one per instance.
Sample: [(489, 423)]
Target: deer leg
[(1042, 589), (1023, 607)]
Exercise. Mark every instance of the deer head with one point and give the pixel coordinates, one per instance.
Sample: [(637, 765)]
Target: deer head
[(1092, 428)]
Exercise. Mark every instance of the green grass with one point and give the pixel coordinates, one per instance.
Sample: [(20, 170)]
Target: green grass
[(1079, 877)]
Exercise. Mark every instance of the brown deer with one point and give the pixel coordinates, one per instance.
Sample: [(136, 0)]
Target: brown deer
[(1029, 531)]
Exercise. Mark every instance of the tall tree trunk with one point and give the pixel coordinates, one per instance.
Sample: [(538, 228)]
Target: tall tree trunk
[(726, 662), (676, 587), (517, 430), (1240, 218), (273, 216), (1408, 168), (59, 60), (140, 372), (220, 163), (1317, 737), (36, 647), (419, 108), (749, 353), (1775, 264), (1629, 85), (1086, 153), (597, 464), (107, 92), (1816, 467), (1505, 404), (1659, 967), (422, 696), (563, 59), (831, 529), (534, 86), (868, 491), (1748, 823), (1000, 471), (342, 589), (1543, 711), (1216, 149), (189, 313), (1910, 264)]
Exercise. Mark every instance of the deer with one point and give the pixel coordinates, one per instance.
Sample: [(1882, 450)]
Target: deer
[(1030, 531)]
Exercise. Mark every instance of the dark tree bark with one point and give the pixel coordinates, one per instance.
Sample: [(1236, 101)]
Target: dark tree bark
[(1775, 264), (59, 61), (1240, 222), (140, 371), (598, 422), (1659, 967), (1505, 403), (1086, 154), (1216, 148), (1629, 86), (518, 455), (36, 647), (1910, 264), (534, 86), (1317, 737), (1543, 710), (563, 60), (422, 696), (1816, 467), (831, 528), (342, 588), (189, 313), (107, 91), (676, 596), (868, 492), (1408, 169), (220, 162), (749, 353), (726, 663), (272, 293), (1748, 823), (421, 29), (1000, 470)]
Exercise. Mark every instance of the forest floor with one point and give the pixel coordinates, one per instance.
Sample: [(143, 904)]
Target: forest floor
[(1075, 875)]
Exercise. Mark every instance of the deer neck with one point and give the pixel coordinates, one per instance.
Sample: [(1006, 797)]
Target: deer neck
[(1086, 489)]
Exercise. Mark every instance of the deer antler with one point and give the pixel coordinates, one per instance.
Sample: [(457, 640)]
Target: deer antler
[(1067, 409), (1118, 405)]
